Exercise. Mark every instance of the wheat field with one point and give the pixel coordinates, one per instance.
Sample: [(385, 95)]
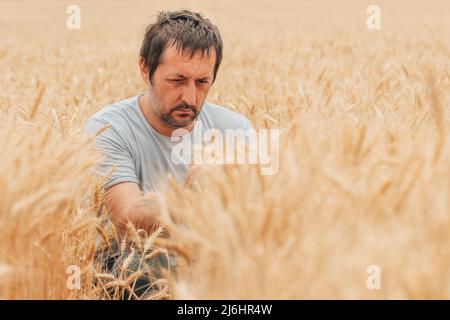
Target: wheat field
[(364, 176)]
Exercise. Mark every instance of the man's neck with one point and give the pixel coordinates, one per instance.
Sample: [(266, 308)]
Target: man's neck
[(153, 119)]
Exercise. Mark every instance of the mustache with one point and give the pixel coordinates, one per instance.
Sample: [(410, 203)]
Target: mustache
[(184, 105)]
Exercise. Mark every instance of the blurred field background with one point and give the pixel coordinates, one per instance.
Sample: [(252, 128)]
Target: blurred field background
[(364, 161)]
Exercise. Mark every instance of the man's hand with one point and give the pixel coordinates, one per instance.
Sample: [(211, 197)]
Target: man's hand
[(125, 202)]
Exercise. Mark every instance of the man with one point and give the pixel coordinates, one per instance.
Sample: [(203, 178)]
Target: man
[(179, 59)]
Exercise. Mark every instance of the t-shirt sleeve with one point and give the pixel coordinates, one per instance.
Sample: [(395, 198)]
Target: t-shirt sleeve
[(246, 124), (116, 161)]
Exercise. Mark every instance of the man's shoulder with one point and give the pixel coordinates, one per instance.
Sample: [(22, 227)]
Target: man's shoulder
[(115, 114), (222, 118)]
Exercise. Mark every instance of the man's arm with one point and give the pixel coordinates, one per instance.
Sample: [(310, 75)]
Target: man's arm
[(125, 202), (123, 198)]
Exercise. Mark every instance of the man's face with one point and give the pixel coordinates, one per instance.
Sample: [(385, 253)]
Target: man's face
[(180, 85)]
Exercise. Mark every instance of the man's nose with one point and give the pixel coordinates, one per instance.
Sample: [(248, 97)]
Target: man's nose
[(189, 94)]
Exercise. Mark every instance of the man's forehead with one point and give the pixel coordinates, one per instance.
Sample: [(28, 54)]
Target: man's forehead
[(174, 59)]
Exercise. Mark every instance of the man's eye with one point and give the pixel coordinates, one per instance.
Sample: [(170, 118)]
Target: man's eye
[(202, 81), (177, 82)]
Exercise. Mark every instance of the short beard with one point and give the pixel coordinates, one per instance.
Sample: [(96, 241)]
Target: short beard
[(174, 123)]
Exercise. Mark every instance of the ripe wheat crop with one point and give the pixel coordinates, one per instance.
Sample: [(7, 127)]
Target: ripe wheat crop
[(364, 175)]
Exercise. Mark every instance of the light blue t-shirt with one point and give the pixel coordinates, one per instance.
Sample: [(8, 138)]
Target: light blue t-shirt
[(134, 151)]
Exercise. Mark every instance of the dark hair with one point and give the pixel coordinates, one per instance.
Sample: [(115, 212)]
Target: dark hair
[(189, 31)]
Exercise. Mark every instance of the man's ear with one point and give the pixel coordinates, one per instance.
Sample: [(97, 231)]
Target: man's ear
[(143, 70)]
